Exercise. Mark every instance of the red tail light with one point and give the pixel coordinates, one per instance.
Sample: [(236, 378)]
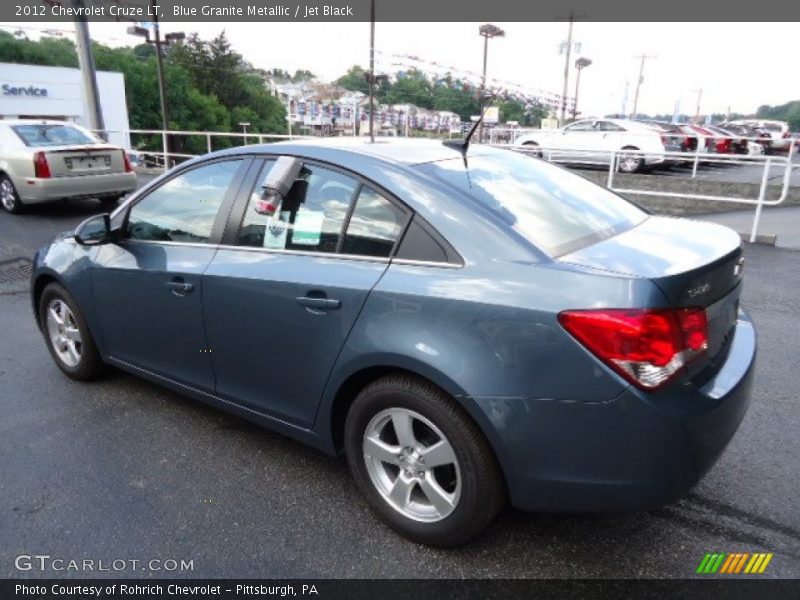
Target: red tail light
[(40, 167), (648, 347), (128, 167)]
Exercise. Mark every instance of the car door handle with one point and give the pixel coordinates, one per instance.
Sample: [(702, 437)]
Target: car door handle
[(179, 287), (319, 303)]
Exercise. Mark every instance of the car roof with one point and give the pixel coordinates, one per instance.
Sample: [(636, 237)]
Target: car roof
[(407, 151)]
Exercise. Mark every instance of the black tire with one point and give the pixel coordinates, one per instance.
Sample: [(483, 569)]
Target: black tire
[(11, 201), (531, 146), (482, 488), (110, 202), (90, 365), (630, 163)]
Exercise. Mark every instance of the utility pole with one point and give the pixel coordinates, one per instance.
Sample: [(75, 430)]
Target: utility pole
[(371, 70), (699, 98), (83, 45), (642, 58), (568, 52), (486, 31)]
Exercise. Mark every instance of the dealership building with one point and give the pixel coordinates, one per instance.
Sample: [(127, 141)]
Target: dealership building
[(37, 92)]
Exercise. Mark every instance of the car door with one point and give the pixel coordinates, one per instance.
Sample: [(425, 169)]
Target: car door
[(574, 142), (284, 291), (148, 285), (611, 139)]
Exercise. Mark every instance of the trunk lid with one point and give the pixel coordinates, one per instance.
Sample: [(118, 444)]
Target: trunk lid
[(77, 161), (693, 264)]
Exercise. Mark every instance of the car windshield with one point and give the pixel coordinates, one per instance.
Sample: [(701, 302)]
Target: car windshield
[(43, 134), (556, 210)]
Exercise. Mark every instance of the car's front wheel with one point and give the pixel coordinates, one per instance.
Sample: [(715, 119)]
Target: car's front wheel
[(630, 162), (9, 197), (421, 462), (67, 335)]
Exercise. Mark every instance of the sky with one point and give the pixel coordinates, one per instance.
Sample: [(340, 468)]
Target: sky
[(737, 65)]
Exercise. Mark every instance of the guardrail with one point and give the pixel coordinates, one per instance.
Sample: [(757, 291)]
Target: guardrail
[(612, 159)]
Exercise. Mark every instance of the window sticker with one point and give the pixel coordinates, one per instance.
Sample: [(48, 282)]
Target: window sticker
[(308, 227), (276, 230)]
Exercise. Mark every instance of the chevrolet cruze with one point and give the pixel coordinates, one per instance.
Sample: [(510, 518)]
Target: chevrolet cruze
[(469, 327)]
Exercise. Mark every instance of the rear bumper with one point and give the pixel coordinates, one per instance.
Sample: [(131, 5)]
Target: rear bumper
[(32, 190), (640, 450)]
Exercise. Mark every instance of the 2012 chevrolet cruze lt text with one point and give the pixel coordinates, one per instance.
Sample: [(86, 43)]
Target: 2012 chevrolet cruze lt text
[(467, 326)]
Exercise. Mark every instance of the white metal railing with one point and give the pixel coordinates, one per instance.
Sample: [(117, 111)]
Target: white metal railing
[(165, 154), (612, 159)]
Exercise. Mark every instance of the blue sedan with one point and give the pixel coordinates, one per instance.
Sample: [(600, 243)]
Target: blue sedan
[(468, 326)]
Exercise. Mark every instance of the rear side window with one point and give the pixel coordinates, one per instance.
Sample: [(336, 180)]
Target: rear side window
[(374, 226), (556, 210), (184, 208), (311, 217), (51, 135)]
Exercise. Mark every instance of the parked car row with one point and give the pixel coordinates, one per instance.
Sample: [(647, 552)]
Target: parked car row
[(649, 143)]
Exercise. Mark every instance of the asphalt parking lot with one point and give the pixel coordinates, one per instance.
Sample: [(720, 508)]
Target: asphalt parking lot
[(123, 469)]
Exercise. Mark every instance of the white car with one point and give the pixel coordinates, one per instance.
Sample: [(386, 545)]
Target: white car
[(591, 141), (42, 160)]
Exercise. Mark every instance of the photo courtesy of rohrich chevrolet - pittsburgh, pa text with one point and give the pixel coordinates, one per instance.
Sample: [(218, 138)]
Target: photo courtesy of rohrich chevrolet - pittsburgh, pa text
[(430, 299)]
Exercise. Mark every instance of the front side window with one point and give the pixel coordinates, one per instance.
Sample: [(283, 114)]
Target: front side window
[(609, 126), (374, 226), (310, 218), (184, 208), (556, 210), (43, 134)]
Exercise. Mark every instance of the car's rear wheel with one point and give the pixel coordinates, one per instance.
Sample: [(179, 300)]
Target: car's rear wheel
[(630, 162), (9, 197), (67, 335), (421, 462), (532, 149)]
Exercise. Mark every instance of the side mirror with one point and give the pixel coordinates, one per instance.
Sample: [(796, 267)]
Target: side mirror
[(94, 231)]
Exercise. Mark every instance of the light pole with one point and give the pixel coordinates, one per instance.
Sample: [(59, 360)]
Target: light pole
[(170, 38), (486, 31), (568, 51), (580, 64)]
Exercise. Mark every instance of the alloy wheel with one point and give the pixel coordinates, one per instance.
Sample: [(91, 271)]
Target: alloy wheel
[(65, 336), (412, 465), (7, 195)]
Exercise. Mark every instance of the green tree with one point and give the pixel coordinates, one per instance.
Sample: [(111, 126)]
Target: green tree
[(354, 80), (54, 52), (303, 75), (411, 87), (451, 96)]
